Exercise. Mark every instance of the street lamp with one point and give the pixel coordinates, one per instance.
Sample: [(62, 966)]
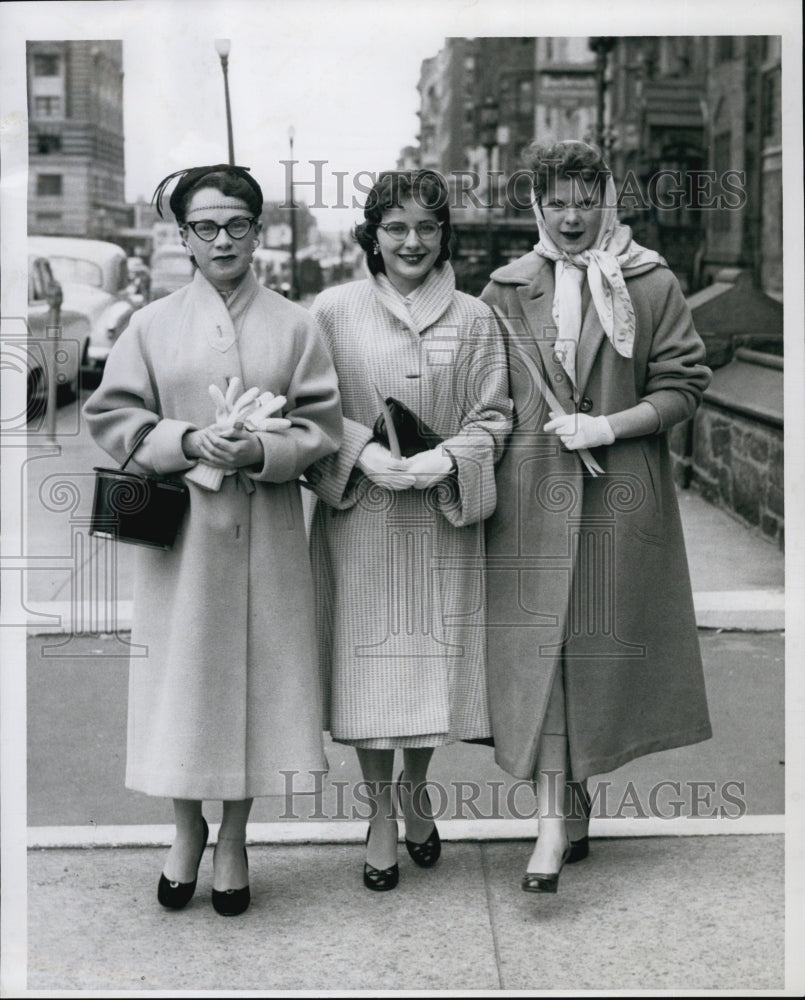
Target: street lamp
[(601, 46), (294, 280), (222, 48), (489, 134)]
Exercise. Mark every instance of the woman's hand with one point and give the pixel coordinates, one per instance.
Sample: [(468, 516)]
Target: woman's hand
[(383, 468), (430, 467), (232, 451), (579, 430)]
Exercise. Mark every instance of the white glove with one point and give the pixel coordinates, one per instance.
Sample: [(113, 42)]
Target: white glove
[(579, 430), (383, 468), (251, 409), (430, 467)]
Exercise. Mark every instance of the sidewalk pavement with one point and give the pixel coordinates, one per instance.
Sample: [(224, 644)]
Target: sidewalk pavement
[(642, 913)]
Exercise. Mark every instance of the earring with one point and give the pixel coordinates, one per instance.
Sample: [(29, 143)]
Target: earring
[(376, 249)]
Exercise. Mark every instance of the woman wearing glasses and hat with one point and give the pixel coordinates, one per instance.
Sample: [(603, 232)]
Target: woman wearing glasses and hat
[(397, 543), (593, 652), (224, 695)]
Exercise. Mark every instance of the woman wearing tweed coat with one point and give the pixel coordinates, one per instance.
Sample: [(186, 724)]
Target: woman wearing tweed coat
[(397, 544), (593, 650)]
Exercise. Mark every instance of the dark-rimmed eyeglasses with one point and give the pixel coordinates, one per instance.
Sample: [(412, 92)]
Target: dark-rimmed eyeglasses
[(236, 228), (425, 230)]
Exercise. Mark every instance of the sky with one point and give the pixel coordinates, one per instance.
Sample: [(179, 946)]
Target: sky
[(343, 73)]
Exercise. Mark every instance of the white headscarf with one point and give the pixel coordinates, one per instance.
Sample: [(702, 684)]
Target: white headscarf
[(603, 263)]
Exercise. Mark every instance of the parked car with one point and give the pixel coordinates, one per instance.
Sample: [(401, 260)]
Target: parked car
[(95, 281), (139, 288), (171, 268), (74, 336)]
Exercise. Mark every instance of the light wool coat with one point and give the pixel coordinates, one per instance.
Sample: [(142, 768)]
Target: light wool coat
[(400, 575), (225, 693), (591, 572)]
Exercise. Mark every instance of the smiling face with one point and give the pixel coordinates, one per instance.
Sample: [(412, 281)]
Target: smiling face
[(572, 212), (224, 260), (407, 262)]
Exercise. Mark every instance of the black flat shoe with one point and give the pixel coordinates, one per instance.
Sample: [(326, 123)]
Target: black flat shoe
[(176, 895), (428, 853), (538, 882), (380, 879), (232, 902)]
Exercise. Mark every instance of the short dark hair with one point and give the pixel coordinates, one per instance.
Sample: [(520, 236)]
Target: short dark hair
[(426, 188), (230, 180), (564, 160)]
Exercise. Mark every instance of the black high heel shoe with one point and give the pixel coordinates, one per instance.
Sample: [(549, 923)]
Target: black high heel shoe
[(175, 895), (380, 879), (579, 849), (232, 902), (539, 882), (428, 853)]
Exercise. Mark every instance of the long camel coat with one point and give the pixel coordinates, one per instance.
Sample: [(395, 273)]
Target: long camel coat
[(585, 571), (224, 686), (400, 575)]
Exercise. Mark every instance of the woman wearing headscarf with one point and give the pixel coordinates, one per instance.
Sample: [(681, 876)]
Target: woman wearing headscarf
[(224, 689), (593, 651), (397, 540)]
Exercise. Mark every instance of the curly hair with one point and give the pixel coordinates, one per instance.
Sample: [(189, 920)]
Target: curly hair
[(426, 188), (569, 159)]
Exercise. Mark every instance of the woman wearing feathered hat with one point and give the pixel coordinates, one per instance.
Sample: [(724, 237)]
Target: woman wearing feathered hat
[(593, 655), (224, 687)]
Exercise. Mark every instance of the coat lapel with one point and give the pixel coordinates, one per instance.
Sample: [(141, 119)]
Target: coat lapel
[(592, 333)]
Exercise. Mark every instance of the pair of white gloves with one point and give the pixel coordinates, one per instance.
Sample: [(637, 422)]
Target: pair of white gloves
[(235, 412), (579, 430), (420, 471)]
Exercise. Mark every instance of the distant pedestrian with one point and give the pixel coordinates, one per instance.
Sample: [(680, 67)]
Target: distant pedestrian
[(397, 543), (593, 651), (225, 694)]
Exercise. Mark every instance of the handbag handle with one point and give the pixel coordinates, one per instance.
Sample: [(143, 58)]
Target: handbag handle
[(139, 437)]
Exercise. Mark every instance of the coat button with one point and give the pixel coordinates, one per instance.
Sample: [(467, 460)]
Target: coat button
[(558, 357), (586, 404)]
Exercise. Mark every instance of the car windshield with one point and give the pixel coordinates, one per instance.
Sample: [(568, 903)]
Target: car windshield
[(72, 269)]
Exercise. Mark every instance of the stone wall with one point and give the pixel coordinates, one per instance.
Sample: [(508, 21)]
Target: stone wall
[(733, 452)]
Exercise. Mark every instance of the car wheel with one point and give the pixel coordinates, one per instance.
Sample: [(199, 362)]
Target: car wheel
[(36, 398)]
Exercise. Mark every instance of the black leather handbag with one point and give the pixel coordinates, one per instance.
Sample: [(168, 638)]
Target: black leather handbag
[(413, 434), (137, 507)]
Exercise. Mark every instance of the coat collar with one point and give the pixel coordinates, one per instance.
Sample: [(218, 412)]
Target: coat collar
[(533, 279)]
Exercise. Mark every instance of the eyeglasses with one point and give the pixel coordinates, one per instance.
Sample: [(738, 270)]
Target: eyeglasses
[(426, 230), (208, 230)]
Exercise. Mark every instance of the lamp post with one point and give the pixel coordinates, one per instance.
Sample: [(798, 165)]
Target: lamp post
[(222, 48), (294, 279), (601, 46), (489, 134)]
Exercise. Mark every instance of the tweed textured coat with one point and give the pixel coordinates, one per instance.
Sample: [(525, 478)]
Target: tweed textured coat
[(224, 684), (400, 575), (590, 573)]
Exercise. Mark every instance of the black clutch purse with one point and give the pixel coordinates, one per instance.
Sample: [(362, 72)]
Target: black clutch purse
[(137, 507), (413, 435)]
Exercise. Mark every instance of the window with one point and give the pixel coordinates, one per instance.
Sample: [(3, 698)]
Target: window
[(48, 184), (49, 218), (48, 143), (47, 107), (724, 49), (46, 65), (722, 161)]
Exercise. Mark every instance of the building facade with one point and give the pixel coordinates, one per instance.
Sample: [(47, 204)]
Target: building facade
[(76, 175)]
